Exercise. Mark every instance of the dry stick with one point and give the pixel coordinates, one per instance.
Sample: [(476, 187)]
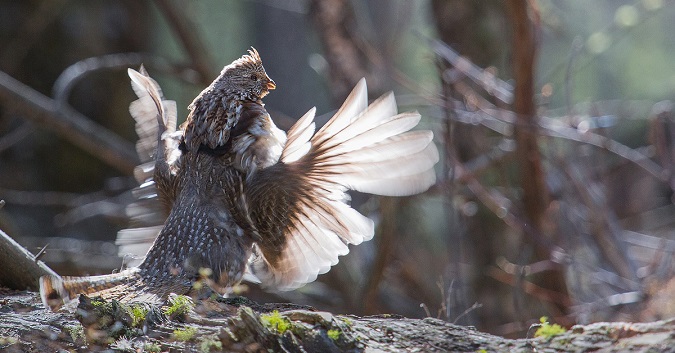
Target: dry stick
[(15, 136), (489, 82), (492, 198), (41, 253), (75, 72), (467, 311), (550, 127), (554, 128), (501, 207), (488, 115), (69, 124), (193, 45), (605, 230), (19, 269), (467, 172)]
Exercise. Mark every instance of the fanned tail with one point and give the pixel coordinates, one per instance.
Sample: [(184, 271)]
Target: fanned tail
[(57, 291)]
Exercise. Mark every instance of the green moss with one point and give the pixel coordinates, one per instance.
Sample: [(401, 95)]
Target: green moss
[(179, 305), (98, 302), (347, 321), (210, 343), (138, 314), (547, 330), (334, 334), (76, 332), (276, 322), (152, 348), (185, 334)]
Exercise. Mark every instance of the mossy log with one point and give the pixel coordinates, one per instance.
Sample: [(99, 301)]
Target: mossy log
[(239, 325), (216, 324)]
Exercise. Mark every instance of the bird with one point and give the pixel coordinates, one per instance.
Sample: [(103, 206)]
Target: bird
[(232, 197)]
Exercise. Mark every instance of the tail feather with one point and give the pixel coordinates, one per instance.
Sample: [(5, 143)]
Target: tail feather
[(56, 291)]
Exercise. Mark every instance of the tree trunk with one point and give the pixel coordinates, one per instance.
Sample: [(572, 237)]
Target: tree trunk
[(532, 175)]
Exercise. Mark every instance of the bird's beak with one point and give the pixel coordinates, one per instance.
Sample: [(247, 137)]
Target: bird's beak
[(270, 85)]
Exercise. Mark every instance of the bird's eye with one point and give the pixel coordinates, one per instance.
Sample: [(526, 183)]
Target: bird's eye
[(254, 77)]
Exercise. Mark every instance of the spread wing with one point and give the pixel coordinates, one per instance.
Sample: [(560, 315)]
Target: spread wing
[(156, 120), (299, 205)]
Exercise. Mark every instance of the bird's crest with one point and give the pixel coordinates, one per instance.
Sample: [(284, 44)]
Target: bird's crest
[(251, 61)]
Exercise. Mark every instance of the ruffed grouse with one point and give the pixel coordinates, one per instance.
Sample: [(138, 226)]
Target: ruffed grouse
[(238, 198)]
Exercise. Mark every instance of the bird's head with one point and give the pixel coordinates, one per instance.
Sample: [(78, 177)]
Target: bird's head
[(246, 77), (217, 110)]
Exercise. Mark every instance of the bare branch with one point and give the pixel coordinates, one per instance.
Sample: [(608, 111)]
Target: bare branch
[(486, 80), (15, 136), (73, 73), (19, 269), (69, 124)]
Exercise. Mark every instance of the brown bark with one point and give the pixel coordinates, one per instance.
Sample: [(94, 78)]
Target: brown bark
[(535, 193), (535, 200)]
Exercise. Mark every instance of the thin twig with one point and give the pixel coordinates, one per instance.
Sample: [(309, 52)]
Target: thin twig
[(532, 289), (468, 310), (41, 252), (554, 128), (491, 84), (77, 71), (426, 309), (73, 73)]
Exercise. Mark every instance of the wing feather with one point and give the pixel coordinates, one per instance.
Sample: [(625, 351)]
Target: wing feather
[(356, 102), (297, 142), (156, 121), (364, 148)]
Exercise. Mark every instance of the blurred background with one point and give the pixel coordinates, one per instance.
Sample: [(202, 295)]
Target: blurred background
[(555, 190)]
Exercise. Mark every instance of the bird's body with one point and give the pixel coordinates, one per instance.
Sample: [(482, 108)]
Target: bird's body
[(242, 198)]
